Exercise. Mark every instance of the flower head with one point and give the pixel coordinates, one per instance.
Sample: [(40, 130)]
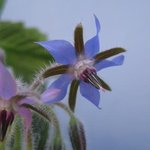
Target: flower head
[(79, 65), (12, 101)]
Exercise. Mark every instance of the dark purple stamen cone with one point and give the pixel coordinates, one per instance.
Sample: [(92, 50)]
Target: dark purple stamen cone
[(6, 119), (89, 76)]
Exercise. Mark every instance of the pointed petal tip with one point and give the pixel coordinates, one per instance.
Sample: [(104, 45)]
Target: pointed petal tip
[(92, 46), (51, 96), (97, 105), (95, 17), (100, 108), (97, 23), (38, 42), (41, 43)]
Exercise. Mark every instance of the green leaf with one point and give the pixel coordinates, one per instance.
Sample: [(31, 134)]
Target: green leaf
[(22, 54), (2, 2), (108, 53)]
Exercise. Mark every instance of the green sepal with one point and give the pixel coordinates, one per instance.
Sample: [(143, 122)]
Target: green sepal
[(55, 71), (78, 40), (73, 94), (108, 53)]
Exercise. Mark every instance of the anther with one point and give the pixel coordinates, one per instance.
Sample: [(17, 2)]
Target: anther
[(89, 76)]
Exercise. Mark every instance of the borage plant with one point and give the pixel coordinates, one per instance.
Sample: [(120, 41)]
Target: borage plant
[(27, 111)]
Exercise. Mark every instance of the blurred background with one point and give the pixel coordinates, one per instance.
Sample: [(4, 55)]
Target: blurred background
[(123, 123)]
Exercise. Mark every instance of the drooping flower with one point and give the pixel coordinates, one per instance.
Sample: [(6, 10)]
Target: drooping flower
[(79, 65), (12, 102)]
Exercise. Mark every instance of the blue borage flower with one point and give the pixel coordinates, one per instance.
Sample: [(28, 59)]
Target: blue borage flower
[(79, 66)]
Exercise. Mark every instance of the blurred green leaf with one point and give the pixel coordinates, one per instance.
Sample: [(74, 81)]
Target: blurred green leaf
[(22, 53), (2, 2)]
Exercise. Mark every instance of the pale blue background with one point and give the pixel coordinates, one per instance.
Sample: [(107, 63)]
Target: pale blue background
[(124, 121)]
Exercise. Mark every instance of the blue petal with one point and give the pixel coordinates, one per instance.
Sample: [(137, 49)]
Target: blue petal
[(90, 93), (117, 61), (7, 83), (62, 51), (57, 90), (92, 45)]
